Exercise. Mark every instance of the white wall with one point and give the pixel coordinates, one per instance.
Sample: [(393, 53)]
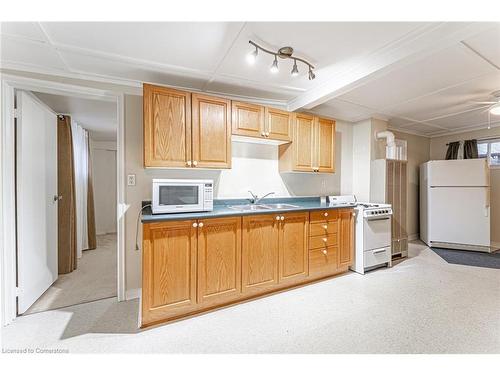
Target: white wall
[(103, 156)]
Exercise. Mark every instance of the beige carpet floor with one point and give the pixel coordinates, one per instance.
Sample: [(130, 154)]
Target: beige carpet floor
[(94, 279)]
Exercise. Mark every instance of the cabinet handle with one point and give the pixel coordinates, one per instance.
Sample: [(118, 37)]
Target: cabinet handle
[(267, 134), (282, 218), (325, 214), (263, 134), (195, 225), (325, 227), (325, 252), (200, 225), (325, 240), (188, 163), (277, 217), (195, 163)]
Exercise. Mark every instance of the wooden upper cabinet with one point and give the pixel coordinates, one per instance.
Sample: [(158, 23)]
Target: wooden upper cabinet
[(168, 270), (325, 145), (211, 132), (247, 119), (219, 260), (312, 148), (278, 124), (259, 253), (167, 127), (293, 249), (346, 224)]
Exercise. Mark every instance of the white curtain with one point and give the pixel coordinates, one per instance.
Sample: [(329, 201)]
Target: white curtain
[(80, 147)]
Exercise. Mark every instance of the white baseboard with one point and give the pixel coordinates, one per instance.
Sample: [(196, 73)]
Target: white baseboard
[(413, 237), (132, 294), (496, 245)]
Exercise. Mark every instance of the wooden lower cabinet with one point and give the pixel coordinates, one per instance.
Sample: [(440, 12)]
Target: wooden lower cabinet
[(219, 260), (293, 257), (168, 270), (193, 266), (259, 256)]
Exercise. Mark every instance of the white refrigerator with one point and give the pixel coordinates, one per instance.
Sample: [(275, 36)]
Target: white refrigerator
[(455, 204)]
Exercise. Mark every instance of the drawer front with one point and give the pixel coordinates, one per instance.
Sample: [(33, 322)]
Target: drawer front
[(324, 229), (323, 261), (321, 242), (377, 256), (323, 216)]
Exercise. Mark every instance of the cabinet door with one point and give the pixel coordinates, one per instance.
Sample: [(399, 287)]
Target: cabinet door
[(167, 127), (219, 260), (278, 124), (293, 249), (168, 270), (211, 132), (325, 145), (247, 119), (259, 253), (346, 253), (304, 142)]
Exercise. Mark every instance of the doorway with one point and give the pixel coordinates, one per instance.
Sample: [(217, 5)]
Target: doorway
[(91, 282)]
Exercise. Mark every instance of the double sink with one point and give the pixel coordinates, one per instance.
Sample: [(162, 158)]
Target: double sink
[(263, 207)]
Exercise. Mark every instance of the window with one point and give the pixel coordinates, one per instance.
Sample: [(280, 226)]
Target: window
[(490, 149)]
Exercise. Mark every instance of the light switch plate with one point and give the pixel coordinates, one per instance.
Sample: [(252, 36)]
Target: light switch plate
[(131, 180)]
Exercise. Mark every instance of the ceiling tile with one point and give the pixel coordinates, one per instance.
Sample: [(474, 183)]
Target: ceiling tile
[(100, 66), (487, 44), (452, 100), (421, 129), (183, 44), (342, 110), (28, 30), (324, 44), (29, 53), (248, 90), (397, 122), (471, 118), (448, 67)]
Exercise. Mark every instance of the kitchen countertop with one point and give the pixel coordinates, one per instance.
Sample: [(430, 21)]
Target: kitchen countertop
[(222, 209)]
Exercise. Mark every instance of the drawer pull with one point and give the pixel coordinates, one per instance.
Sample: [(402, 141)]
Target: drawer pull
[(379, 251), (195, 163), (325, 227), (188, 163), (325, 252), (277, 217), (195, 225), (200, 225), (282, 218), (325, 240), (325, 214)]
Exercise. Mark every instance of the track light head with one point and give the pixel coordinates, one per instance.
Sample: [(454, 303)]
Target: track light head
[(311, 74), (274, 68), (252, 56), (295, 70)]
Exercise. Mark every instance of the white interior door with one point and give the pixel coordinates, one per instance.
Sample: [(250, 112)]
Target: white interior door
[(36, 184)]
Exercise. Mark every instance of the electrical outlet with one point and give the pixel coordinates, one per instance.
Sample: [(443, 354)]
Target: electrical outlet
[(131, 180)]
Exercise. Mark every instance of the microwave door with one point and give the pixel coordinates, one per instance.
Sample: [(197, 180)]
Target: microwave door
[(179, 197)]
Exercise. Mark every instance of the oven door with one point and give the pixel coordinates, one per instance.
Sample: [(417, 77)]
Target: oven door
[(377, 232), (181, 197)]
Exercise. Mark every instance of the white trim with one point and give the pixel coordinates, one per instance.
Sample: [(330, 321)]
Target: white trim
[(8, 289), (8, 265), (466, 129), (133, 294), (405, 131)]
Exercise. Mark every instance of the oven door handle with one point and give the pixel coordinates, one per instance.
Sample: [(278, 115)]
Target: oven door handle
[(378, 218)]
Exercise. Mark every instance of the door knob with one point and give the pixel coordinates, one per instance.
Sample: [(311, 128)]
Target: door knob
[(57, 198)]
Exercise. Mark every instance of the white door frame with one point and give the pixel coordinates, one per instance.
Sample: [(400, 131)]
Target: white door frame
[(9, 84)]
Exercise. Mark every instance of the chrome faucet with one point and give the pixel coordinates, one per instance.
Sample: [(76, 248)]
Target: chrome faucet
[(255, 198)]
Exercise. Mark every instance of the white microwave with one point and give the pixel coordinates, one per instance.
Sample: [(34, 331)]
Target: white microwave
[(172, 195)]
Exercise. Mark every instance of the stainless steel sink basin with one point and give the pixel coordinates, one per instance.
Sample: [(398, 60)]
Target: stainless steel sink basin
[(281, 206), (263, 207), (250, 207)]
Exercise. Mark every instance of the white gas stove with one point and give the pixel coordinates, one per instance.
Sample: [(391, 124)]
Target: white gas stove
[(372, 233)]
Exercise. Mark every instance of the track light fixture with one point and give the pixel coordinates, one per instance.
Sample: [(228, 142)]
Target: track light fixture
[(283, 53)]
